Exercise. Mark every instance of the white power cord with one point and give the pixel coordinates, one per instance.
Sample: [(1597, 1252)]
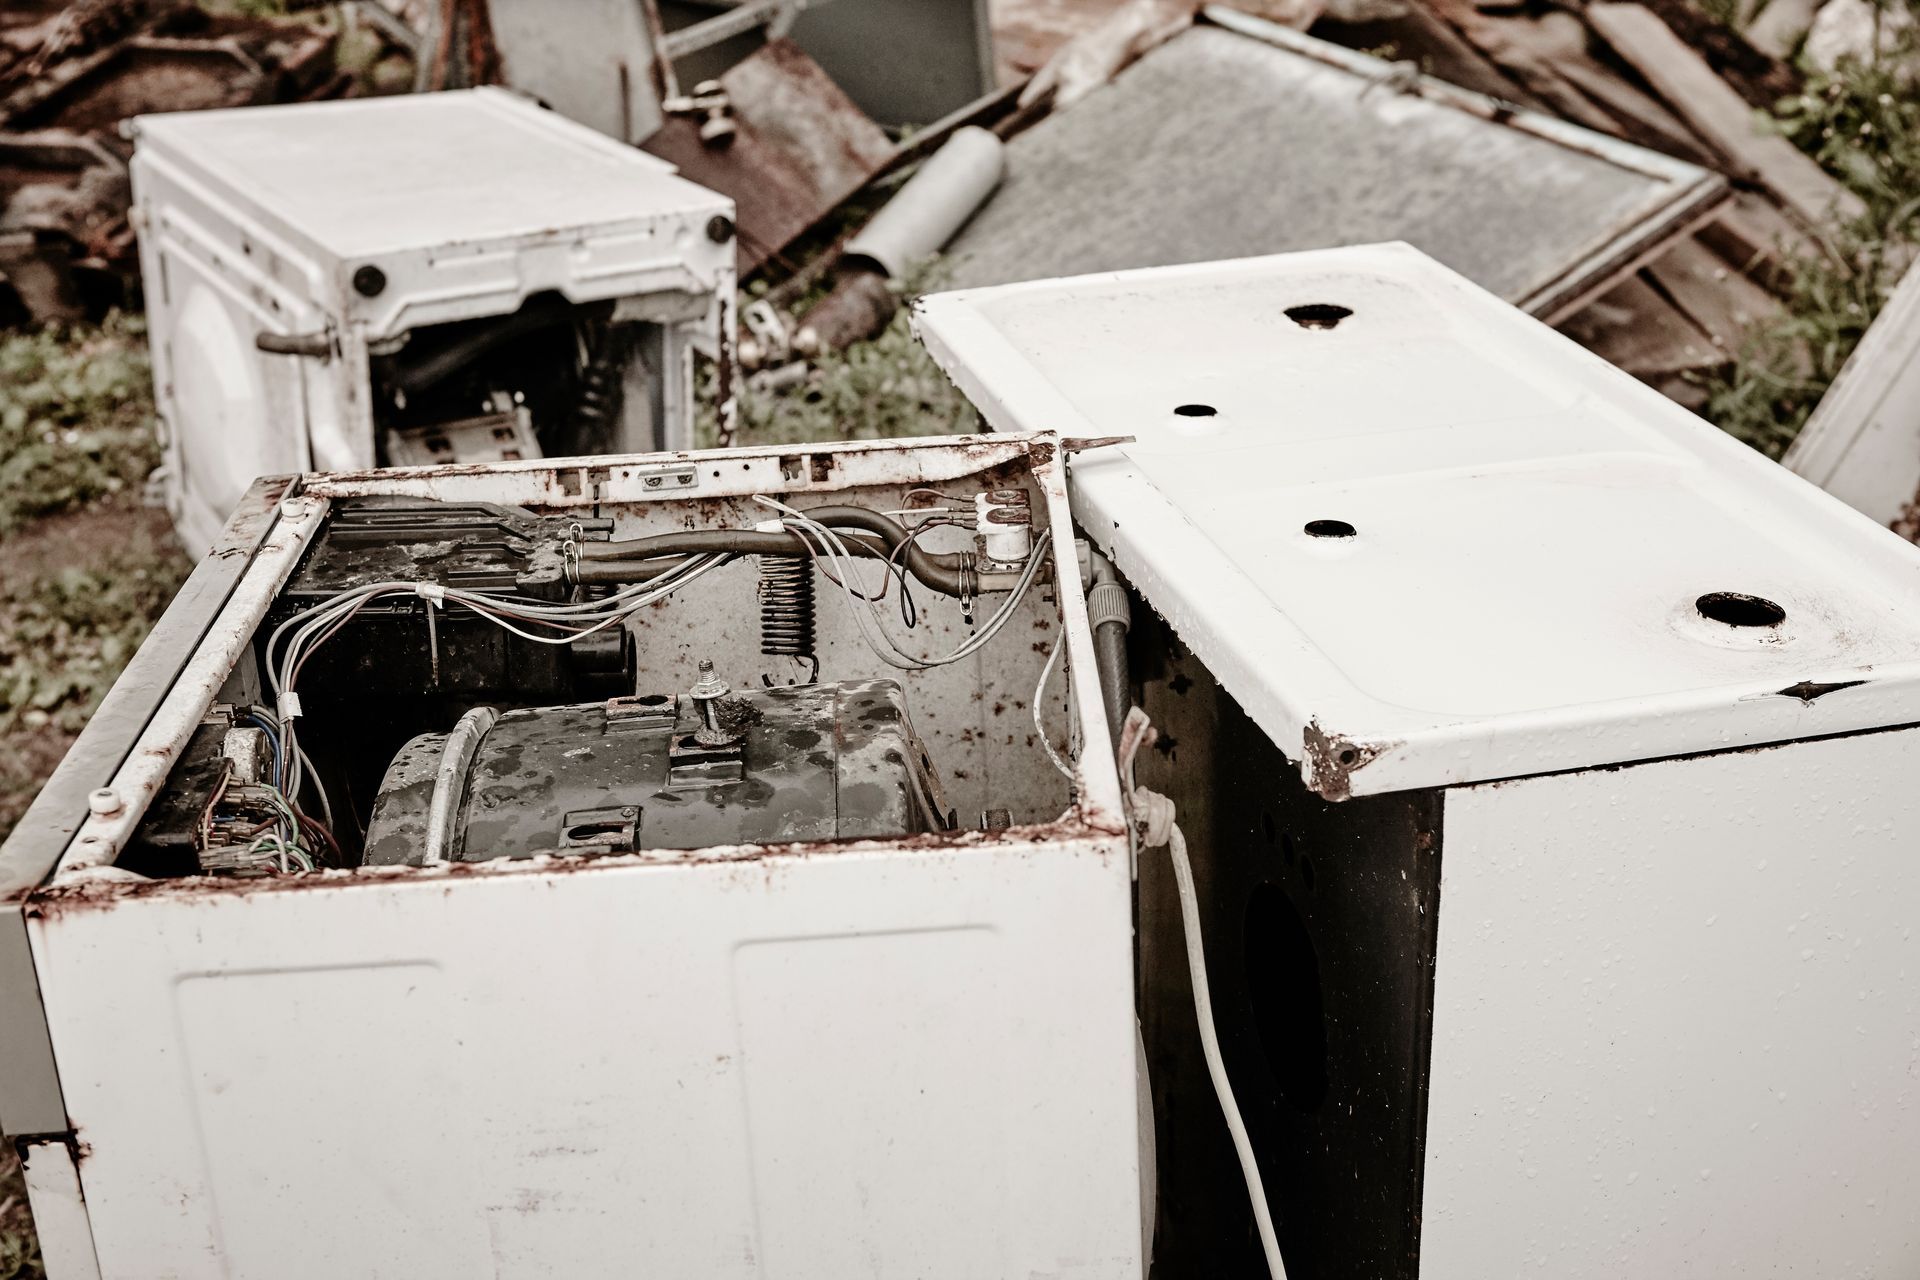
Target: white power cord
[(1039, 698), (1153, 815)]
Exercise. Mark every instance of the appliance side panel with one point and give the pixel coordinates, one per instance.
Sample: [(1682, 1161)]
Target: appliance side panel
[(894, 1010), (689, 1069), (218, 275), (1676, 1030), (1318, 918), (51, 1171)]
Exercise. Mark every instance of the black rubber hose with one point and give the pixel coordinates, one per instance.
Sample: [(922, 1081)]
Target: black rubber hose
[(952, 574), (416, 372), (1110, 658)]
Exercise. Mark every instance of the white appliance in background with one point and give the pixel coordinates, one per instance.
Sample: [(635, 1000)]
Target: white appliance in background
[(432, 278), (1548, 762)]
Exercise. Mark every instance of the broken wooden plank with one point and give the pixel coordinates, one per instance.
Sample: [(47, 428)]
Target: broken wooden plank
[(1638, 117), (1756, 76), (1757, 238), (1692, 90), (1862, 444), (1721, 302), (1636, 329), (1428, 37), (1549, 55)]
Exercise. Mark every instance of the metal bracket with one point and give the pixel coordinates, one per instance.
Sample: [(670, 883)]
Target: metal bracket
[(679, 477), (692, 763), (617, 829)]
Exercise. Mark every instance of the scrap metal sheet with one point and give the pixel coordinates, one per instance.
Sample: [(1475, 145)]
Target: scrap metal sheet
[(1240, 138)]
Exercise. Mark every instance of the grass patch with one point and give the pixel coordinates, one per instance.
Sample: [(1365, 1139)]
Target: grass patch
[(1862, 124), (70, 632), (76, 417), (65, 634)]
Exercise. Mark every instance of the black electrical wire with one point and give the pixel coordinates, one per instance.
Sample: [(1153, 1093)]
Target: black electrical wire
[(951, 573)]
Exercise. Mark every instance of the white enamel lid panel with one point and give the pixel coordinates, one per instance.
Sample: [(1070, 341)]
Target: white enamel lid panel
[(373, 175), (1533, 530)]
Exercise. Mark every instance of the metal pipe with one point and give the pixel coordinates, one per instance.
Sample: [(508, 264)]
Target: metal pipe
[(919, 220), (450, 781), (951, 573), (935, 202)]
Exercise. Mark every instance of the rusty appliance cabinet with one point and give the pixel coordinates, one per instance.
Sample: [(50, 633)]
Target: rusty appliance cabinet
[(722, 962)]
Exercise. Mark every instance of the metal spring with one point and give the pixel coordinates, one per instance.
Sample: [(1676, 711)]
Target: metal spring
[(786, 608), (600, 390)]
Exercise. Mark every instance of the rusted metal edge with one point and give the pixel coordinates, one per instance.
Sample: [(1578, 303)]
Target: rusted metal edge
[(68, 897), (1330, 761), (1095, 811), (719, 473), (30, 1098)]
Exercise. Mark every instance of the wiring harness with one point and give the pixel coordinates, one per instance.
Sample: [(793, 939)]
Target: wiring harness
[(299, 837)]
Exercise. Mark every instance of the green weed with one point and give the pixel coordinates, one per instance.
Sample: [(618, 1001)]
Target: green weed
[(76, 417), (1863, 125), (69, 633)]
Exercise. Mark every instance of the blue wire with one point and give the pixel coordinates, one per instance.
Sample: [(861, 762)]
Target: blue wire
[(273, 736)]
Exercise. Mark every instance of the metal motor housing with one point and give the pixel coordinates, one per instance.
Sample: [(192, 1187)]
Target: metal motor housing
[(807, 762)]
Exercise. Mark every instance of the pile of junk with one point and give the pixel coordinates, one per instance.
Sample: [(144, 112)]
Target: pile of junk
[(1344, 775), (1601, 166)]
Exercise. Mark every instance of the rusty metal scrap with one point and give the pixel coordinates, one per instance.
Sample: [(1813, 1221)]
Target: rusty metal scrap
[(799, 148)]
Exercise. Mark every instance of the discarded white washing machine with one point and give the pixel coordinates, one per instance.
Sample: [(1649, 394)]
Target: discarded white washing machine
[(447, 277), (1548, 761), (519, 870)]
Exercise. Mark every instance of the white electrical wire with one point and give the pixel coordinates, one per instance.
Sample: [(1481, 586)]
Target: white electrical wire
[(306, 631), (311, 628), (1155, 811), (1039, 696)]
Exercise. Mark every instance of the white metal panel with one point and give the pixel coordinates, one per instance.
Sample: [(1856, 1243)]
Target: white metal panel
[(468, 201), (1862, 443), (825, 1064), (598, 66), (1676, 1030), (59, 1205), (368, 176), (1533, 526)]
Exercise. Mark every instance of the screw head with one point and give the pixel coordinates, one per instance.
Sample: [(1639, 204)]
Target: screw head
[(105, 802), (369, 281), (719, 228)]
